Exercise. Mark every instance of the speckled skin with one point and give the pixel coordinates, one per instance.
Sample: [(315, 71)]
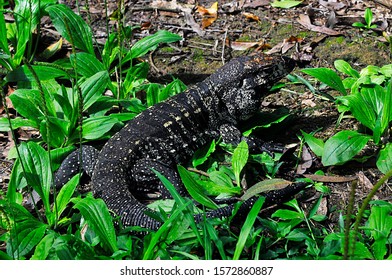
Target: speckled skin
[(170, 132)]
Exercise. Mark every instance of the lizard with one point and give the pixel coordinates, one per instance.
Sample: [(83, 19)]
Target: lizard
[(169, 133)]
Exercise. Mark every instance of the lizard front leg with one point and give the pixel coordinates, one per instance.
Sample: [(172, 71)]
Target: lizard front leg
[(231, 135)]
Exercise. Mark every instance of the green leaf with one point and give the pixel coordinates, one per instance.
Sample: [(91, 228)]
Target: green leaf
[(93, 88), (358, 24), (386, 70), (135, 77), (286, 4), (372, 108), (344, 67), (380, 225), (239, 160), (368, 16), (343, 146), (95, 128), (263, 120), (328, 77), (26, 231), (384, 160), (15, 123), (201, 155), (65, 194), (58, 131), (194, 189), (315, 144), (17, 182), (247, 227), (98, 217), (151, 42), (37, 171), (64, 18), (285, 214), (87, 64), (28, 103), (265, 186), (44, 73), (43, 248), (3, 33)]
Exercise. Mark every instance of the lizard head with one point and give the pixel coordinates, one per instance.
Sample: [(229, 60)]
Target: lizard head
[(241, 83)]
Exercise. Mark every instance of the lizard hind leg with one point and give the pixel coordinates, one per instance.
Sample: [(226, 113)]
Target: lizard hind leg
[(143, 175), (72, 163)]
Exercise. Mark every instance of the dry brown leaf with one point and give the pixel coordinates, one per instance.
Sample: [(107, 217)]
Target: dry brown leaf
[(256, 3), (251, 16), (364, 181), (211, 11), (330, 179), (306, 161), (209, 15), (242, 46), (304, 20)]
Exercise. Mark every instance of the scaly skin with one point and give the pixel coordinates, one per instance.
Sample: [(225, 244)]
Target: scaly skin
[(170, 132)]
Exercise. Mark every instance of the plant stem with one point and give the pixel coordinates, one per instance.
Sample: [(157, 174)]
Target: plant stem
[(366, 203)]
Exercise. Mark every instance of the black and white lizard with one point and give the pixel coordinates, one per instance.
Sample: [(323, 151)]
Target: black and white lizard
[(170, 132)]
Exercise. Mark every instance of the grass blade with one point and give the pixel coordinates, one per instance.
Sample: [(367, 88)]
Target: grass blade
[(246, 228)]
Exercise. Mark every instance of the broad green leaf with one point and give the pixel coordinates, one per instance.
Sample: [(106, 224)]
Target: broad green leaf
[(221, 179), (3, 33), (42, 249), (281, 119), (87, 64), (201, 155), (26, 230), (70, 24), (384, 161), (247, 227), (98, 217), (65, 194), (151, 42), (358, 24), (315, 144), (380, 225), (37, 167), (17, 182), (372, 108), (297, 235), (265, 186), (286, 214), (173, 88), (370, 70), (343, 146), (239, 160), (93, 88), (58, 131), (44, 73), (27, 17), (194, 189), (386, 70), (286, 4), (344, 67), (15, 123), (28, 103), (328, 77), (368, 16), (96, 127), (135, 77), (70, 247)]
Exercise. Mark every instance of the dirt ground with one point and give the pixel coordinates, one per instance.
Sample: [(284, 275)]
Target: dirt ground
[(316, 32)]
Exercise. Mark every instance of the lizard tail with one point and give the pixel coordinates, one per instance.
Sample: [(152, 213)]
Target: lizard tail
[(271, 198)]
